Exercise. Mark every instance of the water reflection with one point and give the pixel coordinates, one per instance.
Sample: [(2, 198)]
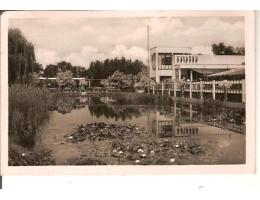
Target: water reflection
[(114, 112), (179, 119), (65, 104), (180, 122)]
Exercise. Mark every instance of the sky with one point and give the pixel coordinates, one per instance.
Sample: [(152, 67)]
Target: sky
[(82, 40)]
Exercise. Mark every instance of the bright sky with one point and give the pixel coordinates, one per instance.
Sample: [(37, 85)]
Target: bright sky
[(83, 40)]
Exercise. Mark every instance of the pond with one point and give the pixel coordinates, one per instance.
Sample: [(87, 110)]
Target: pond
[(179, 129)]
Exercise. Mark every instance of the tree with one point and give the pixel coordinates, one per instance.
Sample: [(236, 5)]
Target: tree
[(142, 78), (21, 57), (169, 84), (225, 85), (222, 49), (104, 69), (34, 78), (38, 68), (51, 70), (118, 80), (64, 79)]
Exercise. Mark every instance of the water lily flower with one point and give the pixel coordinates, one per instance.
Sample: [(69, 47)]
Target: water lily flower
[(140, 150)]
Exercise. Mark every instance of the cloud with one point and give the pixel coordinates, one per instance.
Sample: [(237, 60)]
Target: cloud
[(133, 35), (90, 53), (157, 26), (211, 31), (164, 25), (133, 52), (83, 40), (45, 56), (207, 50), (85, 56)]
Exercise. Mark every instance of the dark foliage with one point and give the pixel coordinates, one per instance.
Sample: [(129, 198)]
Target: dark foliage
[(21, 58), (222, 49), (51, 70), (104, 69)]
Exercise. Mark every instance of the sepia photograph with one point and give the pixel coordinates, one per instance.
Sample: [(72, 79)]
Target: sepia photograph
[(127, 88)]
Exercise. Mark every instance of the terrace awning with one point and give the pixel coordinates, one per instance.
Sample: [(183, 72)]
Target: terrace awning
[(231, 72), (207, 71)]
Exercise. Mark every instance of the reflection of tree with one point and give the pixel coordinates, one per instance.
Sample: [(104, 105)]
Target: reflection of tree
[(94, 100), (65, 104), (114, 112)]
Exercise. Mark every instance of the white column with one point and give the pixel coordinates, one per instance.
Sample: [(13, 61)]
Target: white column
[(214, 89), (243, 91), (162, 87), (157, 78), (153, 89), (201, 90), (191, 79), (174, 89), (173, 67), (179, 73)]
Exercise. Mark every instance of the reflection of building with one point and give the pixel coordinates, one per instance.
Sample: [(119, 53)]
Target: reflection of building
[(177, 63), (163, 125)]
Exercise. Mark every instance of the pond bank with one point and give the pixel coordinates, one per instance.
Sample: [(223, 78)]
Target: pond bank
[(154, 98), (200, 101)]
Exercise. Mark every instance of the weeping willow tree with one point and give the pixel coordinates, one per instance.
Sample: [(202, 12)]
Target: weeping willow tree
[(21, 58), (28, 103)]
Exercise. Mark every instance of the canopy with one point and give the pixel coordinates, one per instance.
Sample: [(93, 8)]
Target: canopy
[(207, 71), (231, 72)]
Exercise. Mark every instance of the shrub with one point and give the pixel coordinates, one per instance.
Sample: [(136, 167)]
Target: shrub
[(210, 106)]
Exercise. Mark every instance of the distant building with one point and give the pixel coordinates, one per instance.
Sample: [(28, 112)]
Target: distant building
[(179, 63)]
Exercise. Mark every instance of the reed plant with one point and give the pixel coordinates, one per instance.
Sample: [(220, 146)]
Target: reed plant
[(28, 112)]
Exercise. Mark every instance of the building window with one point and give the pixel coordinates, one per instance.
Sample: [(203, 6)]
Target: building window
[(165, 62)]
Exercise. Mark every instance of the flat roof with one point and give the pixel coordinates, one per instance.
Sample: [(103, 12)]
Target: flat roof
[(171, 49)]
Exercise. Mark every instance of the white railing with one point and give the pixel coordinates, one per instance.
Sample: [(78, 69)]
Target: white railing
[(202, 87)]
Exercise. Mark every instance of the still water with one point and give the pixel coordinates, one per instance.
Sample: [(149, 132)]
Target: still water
[(182, 123)]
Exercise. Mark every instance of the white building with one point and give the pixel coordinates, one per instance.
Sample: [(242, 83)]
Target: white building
[(179, 63)]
